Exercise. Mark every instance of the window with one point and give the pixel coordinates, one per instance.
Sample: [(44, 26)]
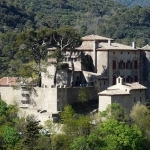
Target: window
[(104, 82), (128, 52), (77, 78), (129, 79), (114, 80), (121, 65), (128, 65), (135, 78), (113, 52), (114, 64), (121, 52), (135, 64), (134, 99)]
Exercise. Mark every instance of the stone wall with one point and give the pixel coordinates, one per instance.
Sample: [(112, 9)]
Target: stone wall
[(124, 55), (50, 99)]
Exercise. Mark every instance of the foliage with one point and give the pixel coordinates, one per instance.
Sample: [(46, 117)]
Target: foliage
[(60, 142), (31, 132), (10, 136), (75, 124), (135, 2), (119, 136), (83, 95), (115, 111), (43, 143), (140, 116), (106, 18)]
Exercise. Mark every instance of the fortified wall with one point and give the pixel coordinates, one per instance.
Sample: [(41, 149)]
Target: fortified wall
[(50, 100)]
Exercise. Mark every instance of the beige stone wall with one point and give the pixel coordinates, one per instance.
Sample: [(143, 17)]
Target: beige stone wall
[(9, 95), (124, 55), (104, 101), (126, 101), (50, 99), (102, 62)]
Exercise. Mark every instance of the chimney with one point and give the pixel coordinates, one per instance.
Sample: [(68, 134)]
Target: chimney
[(119, 81), (134, 45), (109, 42)]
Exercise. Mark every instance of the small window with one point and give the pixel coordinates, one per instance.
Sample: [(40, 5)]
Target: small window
[(118, 80), (135, 64), (121, 52), (140, 99), (77, 78), (134, 99), (114, 53), (128, 52), (104, 82), (114, 64), (135, 78), (114, 80)]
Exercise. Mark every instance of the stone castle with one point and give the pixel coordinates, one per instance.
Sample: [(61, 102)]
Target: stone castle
[(97, 64)]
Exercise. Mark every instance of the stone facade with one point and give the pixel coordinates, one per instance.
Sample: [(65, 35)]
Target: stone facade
[(127, 95), (97, 63)]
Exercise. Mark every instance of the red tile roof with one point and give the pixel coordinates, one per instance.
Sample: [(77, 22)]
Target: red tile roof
[(8, 81)]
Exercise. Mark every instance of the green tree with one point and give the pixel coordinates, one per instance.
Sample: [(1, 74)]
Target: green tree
[(36, 43), (83, 95), (10, 136), (67, 38), (115, 111), (31, 134), (140, 115), (120, 136), (75, 125)]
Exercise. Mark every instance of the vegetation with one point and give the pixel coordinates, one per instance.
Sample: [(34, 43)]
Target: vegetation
[(135, 2), (22, 20), (77, 130)]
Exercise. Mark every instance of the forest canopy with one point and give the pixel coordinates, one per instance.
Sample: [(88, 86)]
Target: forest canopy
[(102, 17)]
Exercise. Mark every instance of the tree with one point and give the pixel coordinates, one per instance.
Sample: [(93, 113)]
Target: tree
[(120, 136), (83, 95), (68, 39), (115, 111), (10, 136), (31, 134), (140, 115), (36, 42), (75, 125)]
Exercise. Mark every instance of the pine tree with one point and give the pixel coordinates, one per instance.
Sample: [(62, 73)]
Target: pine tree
[(31, 132)]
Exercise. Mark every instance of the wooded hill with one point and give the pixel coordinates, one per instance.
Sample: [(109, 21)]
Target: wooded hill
[(144, 3), (102, 17)]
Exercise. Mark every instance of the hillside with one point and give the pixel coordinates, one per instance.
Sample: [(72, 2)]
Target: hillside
[(143, 3), (103, 17), (84, 14)]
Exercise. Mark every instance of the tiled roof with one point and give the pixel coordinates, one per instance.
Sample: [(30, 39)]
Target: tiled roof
[(146, 47), (93, 37), (134, 86), (120, 89), (114, 46), (88, 45), (8, 81), (114, 92)]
